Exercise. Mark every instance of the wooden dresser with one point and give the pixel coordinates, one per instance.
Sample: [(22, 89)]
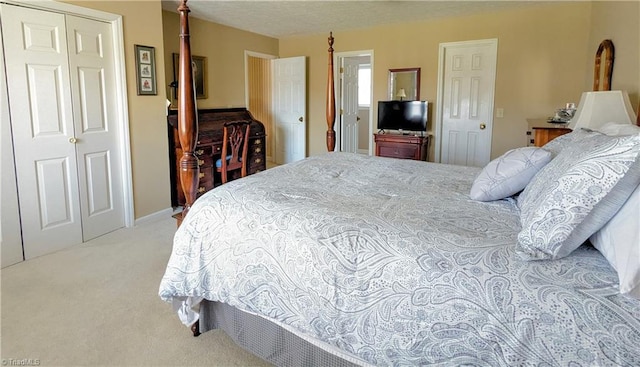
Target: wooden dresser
[(209, 146), (402, 146), (540, 132)]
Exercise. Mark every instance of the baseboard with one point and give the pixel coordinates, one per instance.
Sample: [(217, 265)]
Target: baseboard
[(363, 151), (154, 217)]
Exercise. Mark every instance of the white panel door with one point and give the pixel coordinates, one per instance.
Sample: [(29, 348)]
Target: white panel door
[(42, 122), (93, 79), (290, 110), (10, 238), (62, 93), (467, 102), (349, 110)]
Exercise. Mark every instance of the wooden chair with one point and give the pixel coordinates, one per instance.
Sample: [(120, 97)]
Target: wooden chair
[(235, 144)]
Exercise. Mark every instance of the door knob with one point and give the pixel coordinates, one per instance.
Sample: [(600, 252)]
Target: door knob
[(483, 126), (300, 119), (357, 118), (73, 140)]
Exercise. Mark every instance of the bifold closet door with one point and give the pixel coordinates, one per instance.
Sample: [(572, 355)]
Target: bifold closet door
[(92, 72), (65, 164)]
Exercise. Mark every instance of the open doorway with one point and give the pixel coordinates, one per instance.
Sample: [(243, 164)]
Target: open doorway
[(354, 128), (275, 93), (258, 94)]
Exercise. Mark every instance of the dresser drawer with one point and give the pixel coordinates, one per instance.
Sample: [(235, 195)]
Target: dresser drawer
[(205, 161), (401, 146), (205, 177), (255, 164), (257, 157), (208, 150), (398, 150), (257, 149)]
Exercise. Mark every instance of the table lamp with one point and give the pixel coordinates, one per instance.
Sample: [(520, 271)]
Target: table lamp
[(597, 108)]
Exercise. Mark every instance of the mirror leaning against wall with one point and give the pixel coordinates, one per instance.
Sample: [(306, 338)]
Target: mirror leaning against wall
[(404, 84)]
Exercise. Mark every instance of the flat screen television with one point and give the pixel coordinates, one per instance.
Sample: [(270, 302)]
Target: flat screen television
[(403, 115)]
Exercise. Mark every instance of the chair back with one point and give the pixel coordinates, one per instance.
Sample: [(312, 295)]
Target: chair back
[(235, 145)]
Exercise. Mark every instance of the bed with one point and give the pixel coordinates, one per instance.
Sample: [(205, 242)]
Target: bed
[(345, 259)]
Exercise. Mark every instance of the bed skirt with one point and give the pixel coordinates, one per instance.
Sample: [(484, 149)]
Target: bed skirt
[(266, 339)]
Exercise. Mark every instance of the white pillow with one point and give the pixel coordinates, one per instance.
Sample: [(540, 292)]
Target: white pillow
[(576, 194), (555, 146), (616, 129), (509, 173), (619, 242)]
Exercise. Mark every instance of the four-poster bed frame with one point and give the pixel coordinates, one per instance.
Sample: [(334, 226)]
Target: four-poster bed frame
[(188, 121), (303, 284), (188, 116)]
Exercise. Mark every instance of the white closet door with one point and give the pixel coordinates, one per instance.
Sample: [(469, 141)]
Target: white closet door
[(43, 132), (93, 89), (62, 96)]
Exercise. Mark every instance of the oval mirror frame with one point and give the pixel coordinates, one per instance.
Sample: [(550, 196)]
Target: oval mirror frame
[(606, 48), (404, 84)]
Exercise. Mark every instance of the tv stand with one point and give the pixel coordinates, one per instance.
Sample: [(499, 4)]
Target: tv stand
[(402, 146)]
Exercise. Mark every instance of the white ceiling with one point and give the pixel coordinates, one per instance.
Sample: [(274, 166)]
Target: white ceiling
[(281, 19)]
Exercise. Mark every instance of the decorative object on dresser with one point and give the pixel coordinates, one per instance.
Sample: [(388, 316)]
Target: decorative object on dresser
[(594, 110), (402, 146), (209, 148)]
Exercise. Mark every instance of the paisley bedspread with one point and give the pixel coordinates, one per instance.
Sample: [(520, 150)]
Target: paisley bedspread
[(391, 262)]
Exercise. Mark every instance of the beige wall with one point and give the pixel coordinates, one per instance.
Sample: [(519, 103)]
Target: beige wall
[(224, 49), (619, 23), (542, 60), (540, 67)]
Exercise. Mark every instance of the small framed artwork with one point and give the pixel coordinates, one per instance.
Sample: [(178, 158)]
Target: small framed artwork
[(199, 75), (146, 70)]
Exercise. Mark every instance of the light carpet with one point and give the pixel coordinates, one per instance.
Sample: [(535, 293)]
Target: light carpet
[(97, 304)]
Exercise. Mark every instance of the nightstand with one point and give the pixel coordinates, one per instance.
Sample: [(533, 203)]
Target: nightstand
[(540, 132)]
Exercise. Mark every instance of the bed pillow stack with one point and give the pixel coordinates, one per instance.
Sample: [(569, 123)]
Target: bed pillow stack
[(555, 146), (619, 242), (508, 174), (577, 193), (619, 239)]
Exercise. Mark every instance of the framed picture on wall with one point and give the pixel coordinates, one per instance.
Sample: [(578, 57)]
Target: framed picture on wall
[(146, 70), (199, 75)]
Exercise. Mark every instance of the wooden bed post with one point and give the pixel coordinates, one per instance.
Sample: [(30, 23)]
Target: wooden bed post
[(187, 115), (331, 101)]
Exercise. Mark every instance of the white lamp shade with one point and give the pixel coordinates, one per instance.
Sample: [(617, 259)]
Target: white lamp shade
[(597, 108), (402, 93)]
